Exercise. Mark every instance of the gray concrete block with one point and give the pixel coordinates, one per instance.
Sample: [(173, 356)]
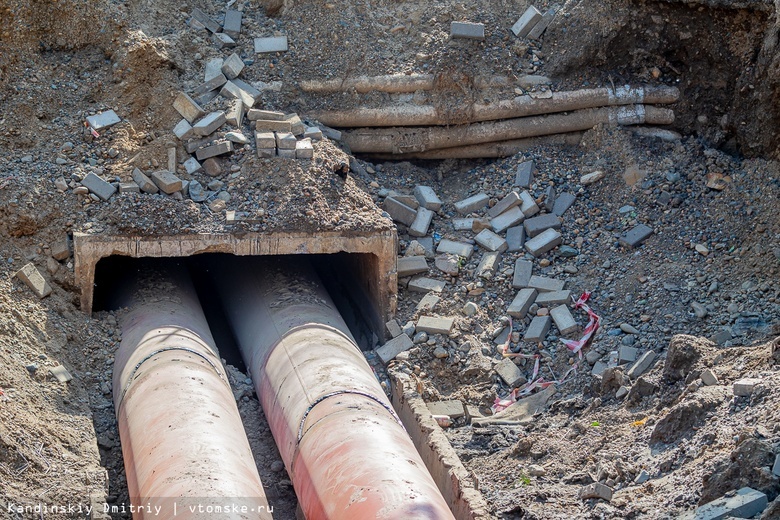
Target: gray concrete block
[(642, 365), (62, 375), (452, 408), (709, 378), (232, 90), (286, 153), (421, 223), (563, 202), (172, 159), (213, 83), (232, 25), (745, 387), (265, 140), (271, 44), (305, 150), (488, 265), (596, 490), (528, 204), (745, 503), (223, 41), (543, 242), (193, 144), (213, 68), (536, 225), (214, 150), (266, 115), (635, 236), (166, 181), (263, 125), (313, 133), (542, 24), (411, 265), (510, 373), (266, 153), (423, 284), (549, 198), (525, 174), (427, 198), (232, 67), (187, 107), (538, 329), (490, 241), (205, 99), (563, 319), (392, 348), (394, 328), (522, 302), (399, 212), (98, 186), (522, 275), (103, 120), (598, 368), (472, 31), (553, 298), (462, 224), (296, 125), (433, 325), (33, 278), (409, 200), (515, 238), (285, 141), (234, 114), (191, 166), (129, 187), (209, 124), (507, 219), (544, 284), (471, 204), (144, 182), (205, 20), (427, 302), (60, 250), (183, 130), (508, 202), (627, 354), (455, 248)]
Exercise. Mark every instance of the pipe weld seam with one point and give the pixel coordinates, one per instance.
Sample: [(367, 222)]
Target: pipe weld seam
[(150, 356), (320, 399)]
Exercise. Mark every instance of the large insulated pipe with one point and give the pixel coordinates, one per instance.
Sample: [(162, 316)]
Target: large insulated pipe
[(521, 106), (183, 443), (347, 454), (420, 139)]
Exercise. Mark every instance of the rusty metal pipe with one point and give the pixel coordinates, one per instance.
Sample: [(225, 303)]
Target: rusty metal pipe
[(347, 454), (183, 442)]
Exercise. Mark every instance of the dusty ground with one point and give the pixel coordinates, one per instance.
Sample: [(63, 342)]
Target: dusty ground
[(60, 62)]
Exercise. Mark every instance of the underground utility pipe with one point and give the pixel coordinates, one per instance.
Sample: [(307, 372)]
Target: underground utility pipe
[(344, 448), (395, 83), (398, 140), (521, 106), (183, 443)]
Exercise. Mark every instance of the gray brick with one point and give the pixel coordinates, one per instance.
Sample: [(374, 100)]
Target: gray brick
[(455, 248), (709, 378), (234, 114), (472, 31), (596, 490), (393, 328), (212, 84), (522, 302), (427, 198), (563, 202), (538, 329), (488, 265), (267, 115), (642, 365), (98, 186), (422, 221), (510, 373), (563, 319), (232, 67), (490, 241), (187, 107), (636, 236), (191, 166), (745, 387), (462, 224), (205, 99), (286, 153), (423, 284), (534, 226), (262, 125), (265, 140), (265, 153), (223, 41), (452, 408), (166, 181), (522, 276), (553, 298), (232, 25), (433, 325), (214, 150), (542, 25), (103, 120), (471, 204), (144, 182), (313, 133), (172, 159), (525, 174), (508, 202), (183, 130), (528, 204), (209, 124), (411, 265), (544, 284), (549, 199), (33, 278), (507, 219), (285, 141), (626, 354), (305, 150), (213, 68), (399, 212), (409, 200), (270, 44), (296, 125), (129, 187), (205, 20), (392, 348), (746, 503), (231, 91), (427, 302), (543, 242), (515, 238)]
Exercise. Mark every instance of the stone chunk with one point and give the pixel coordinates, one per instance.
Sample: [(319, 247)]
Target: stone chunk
[(205, 20), (271, 44), (515, 238), (411, 265), (167, 181), (212, 84), (776, 466), (642, 365), (422, 221), (544, 284), (447, 263), (491, 241), (455, 248), (544, 242), (636, 236), (305, 150), (60, 250), (626, 354), (214, 150), (103, 120), (745, 503), (392, 348), (399, 212), (553, 297), (183, 130), (534, 226), (709, 378), (30, 275), (488, 265), (60, 373), (98, 186), (563, 202), (525, 173), (507, 219), (745, 387), (472, 31), (422, 284), (510, 373), (528, 204), (452, 408), (538, 329), (563, 319), (144, 182), (526, 22), (427, 198), (187, 107), (232, 25), (471, 204), (209, 124), (521, 303), (596, 490), (522, 276), (433, 325), (508, 202)]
